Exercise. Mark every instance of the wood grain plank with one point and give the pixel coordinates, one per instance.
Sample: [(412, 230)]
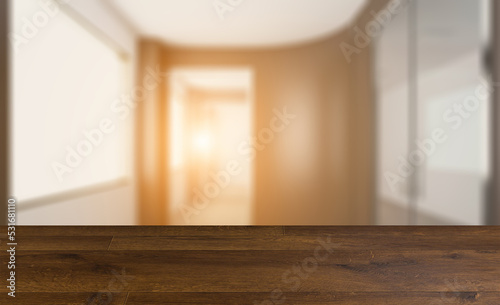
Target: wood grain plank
[(146, 231), (307, 242), (478, 231), (58, 243), (350, 298), (244, 265), (260, 271), (410, 237), (65, 298), (215, 243)]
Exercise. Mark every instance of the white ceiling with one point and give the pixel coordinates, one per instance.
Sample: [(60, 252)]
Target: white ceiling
[(253, 23), (214, 79)]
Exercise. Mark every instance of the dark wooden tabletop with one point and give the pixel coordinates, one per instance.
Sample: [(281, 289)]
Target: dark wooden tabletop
[(254, 265)]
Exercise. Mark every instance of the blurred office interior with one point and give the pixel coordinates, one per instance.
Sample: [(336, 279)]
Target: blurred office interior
[(286, 112)]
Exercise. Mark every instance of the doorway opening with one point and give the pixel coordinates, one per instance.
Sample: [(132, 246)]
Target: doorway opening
[(210, 115)]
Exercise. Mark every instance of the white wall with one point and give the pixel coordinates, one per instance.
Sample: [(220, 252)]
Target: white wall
[(105, 18), (116, 205), (112, 207), (451, 180)]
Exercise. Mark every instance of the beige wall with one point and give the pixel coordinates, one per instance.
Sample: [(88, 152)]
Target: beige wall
[(151, 139)]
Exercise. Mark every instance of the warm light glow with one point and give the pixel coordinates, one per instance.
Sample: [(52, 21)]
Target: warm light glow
[(202, 141), (211, 111)]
